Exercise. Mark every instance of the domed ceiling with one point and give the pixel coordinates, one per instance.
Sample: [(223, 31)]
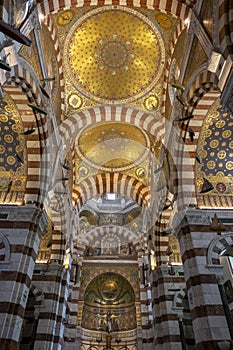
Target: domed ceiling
[(109, 294), (112, 146), (114, 54)]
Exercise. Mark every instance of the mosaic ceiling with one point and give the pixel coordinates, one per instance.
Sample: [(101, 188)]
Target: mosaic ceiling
[(215, 149), (114, 54), (109, 295), (112, 146), (12, 153)]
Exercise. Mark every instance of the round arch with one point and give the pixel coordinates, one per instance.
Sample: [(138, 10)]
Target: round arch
[(153, 123), (102, 231), (113, 183), (104, 296), (217, 246)]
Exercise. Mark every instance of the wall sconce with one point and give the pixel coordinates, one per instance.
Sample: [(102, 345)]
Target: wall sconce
[(171, 270), (14, 33), (37, 109), (152, 260)]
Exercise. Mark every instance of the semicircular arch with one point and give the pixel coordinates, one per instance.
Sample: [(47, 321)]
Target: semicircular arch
[(113, 183)]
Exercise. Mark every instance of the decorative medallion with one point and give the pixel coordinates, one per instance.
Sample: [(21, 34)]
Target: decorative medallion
[(164, 20), (151, 103), (140, 173), (74, 100), (114, 54), (65, 18), (109, 290)]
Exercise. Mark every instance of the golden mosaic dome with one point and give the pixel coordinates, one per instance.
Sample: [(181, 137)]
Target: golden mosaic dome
[(114, 54), (112, 146)]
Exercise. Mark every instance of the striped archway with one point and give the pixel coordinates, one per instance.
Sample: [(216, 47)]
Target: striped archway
[(114, 183), (217, 246), (153, 123), (97, 233), (188, 154), (177, 8)]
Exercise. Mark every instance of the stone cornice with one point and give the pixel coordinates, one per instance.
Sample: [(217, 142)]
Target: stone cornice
[(30, 213)]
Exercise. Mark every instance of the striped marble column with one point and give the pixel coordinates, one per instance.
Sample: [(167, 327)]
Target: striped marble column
[(20, 227), (51, 279), (208, 317), (166, 281)]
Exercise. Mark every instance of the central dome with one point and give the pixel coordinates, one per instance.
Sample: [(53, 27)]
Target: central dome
[(114, 54)]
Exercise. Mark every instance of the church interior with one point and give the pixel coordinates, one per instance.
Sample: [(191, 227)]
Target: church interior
[(116, 175)]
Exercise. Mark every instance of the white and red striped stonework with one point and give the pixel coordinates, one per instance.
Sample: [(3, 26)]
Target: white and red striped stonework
[(57, 299)]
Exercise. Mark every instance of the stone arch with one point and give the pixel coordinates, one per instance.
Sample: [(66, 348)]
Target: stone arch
[(188, 155), (22, 77), (4, 249), (180, 9), (114, 269), (201, 85), (114, 183), (101, 231), (150, 122), (217, 246)]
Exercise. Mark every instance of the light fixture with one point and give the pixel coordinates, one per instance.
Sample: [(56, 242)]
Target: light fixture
[(184, 119), (171, 270), (63, 179), (44, 92), (152, 260), (37, 109), (66, 166), (182, 101), (206, 186), (14, 33), (49, 244), (191, 134), (176, 85), (47, 80), (197, 158), (5, 66), (167, 232), (29, 131), (19, 158)]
